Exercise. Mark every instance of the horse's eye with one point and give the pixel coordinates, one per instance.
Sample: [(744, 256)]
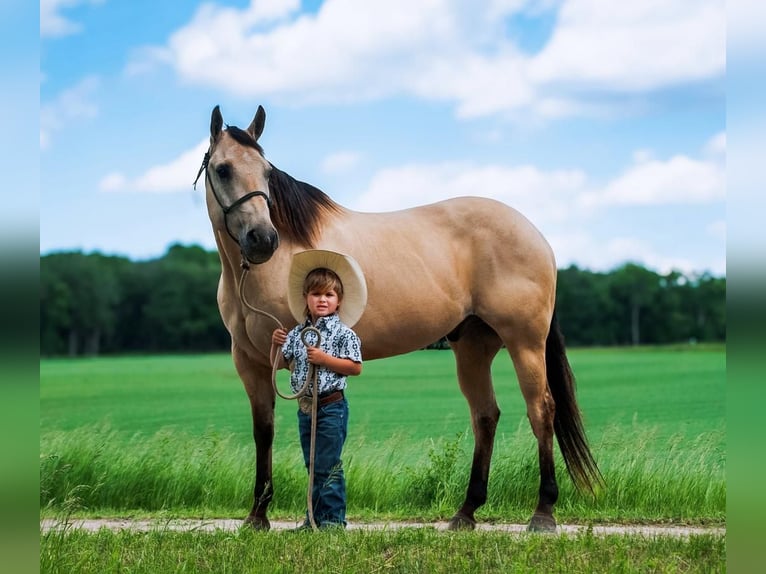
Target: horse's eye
[(223, 171)]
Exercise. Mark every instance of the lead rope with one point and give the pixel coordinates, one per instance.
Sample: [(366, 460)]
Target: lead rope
[(311, 377)]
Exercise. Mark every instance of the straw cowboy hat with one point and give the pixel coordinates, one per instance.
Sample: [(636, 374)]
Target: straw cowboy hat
[(344, 266)]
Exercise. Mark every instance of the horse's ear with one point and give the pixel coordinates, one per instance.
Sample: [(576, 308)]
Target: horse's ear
[(216, 124), (256, 126)]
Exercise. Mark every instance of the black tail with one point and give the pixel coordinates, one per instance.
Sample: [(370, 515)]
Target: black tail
[(567, 423)]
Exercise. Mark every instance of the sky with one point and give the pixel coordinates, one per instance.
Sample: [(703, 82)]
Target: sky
[(603, 122)]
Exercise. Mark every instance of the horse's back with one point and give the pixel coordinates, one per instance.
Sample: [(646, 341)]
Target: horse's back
[(475, 235), (436, 264)]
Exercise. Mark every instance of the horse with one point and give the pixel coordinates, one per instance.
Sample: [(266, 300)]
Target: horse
[(470, 269)]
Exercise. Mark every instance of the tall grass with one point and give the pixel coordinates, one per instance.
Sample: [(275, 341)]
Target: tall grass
[(98, 471), (133, 435)]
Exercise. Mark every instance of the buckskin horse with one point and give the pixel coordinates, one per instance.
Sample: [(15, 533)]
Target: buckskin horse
[(471, 269)]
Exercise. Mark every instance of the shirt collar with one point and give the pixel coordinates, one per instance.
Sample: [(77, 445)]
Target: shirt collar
[(328, 323)]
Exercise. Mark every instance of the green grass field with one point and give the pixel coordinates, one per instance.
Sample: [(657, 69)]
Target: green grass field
[(173, 434), (414, 396), (406, 551)]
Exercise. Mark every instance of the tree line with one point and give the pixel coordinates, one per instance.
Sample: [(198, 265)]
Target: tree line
[(93, 304)]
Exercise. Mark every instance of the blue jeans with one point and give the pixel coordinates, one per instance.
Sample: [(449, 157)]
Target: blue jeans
[(329, 492)]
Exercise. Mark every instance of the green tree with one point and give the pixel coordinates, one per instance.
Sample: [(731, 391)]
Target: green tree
[(95, 303), (584, 307), (707, 308), (82, 290), (180, 311), (634, 289), (55, 311)]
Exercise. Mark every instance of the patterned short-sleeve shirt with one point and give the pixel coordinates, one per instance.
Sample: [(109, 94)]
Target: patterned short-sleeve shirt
[(338, 340)]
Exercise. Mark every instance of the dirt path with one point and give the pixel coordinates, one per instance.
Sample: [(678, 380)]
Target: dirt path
[(93, 525)]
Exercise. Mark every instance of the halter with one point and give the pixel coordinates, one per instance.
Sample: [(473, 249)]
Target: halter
[(228, 208)]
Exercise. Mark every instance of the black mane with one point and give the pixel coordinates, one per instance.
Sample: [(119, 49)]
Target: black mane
[(297, 208)]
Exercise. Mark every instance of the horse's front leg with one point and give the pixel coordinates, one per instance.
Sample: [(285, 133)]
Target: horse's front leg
[(257, 380)]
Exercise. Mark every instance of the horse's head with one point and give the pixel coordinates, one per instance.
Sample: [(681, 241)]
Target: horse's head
[(237, 182)]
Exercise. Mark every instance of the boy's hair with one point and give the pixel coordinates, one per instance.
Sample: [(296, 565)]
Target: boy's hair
[(322, 279)]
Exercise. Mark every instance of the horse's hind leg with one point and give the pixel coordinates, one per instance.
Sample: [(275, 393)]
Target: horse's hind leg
[(529, 362), (257, 381), (475, 345)]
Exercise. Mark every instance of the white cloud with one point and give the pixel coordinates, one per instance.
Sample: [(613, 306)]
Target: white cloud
[(677, 180), (480, 85), (553, 194), (541, 196), (447, 51), (340, 162), (53, 23), (599, 254), (634, 46), (554, 199), (621, 249), (349, 50), (72, 104), (176, 175)]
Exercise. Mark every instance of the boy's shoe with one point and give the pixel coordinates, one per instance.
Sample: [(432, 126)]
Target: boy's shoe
[(302, 528)]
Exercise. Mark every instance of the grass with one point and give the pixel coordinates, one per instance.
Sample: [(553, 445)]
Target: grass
[(414, 397), (95, 471), (406, 550), (170, 437), (172, 434), (160, 434)]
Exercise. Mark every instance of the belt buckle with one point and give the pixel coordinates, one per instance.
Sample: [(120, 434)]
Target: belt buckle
[(305, 404)]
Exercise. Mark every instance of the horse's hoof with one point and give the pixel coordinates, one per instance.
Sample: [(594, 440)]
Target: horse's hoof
[(544, 523), (257, 522), (461, 522)]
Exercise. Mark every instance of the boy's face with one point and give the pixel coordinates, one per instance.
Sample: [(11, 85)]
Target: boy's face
[(322, 302)]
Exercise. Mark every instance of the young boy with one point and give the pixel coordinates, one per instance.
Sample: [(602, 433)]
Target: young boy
[(327, 291)]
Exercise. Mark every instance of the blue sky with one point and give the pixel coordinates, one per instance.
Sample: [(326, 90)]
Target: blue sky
[(604, 123)]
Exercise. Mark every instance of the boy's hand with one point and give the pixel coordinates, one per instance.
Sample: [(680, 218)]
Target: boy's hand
[(341, 366), (316, 356), (279, 337)]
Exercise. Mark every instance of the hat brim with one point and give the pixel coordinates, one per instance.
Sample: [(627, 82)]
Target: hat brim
[(345, 267)]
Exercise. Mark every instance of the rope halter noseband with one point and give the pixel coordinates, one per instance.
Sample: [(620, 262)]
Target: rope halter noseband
[(228, 208)]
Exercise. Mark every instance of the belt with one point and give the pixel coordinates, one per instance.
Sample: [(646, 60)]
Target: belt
[(333, 397)]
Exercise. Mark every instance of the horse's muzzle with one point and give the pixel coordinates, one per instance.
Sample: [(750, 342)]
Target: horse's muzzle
[(258, 245)]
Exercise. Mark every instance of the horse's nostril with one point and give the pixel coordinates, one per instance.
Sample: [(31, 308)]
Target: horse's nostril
[(255, 237), (262, 239)]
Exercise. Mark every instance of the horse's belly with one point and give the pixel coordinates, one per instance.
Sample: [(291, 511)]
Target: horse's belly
[(402, 335)]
